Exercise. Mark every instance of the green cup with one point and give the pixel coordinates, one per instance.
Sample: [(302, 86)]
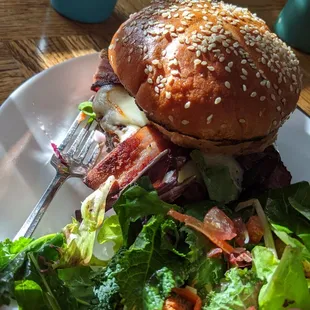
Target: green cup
[(293, 24)]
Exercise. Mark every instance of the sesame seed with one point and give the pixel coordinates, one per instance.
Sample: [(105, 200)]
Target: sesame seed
[(268, 84), (146, 71), (198, 53), (187, 104), (161, 85), (164, 53), (283, 101), (156, 89), (129, 58), (210, 68), (260, 114), (185, 122), (155, 62), (230, 64), (191, 48), (150, 81), (243, 77), (291, 87), (273, 97), (278, 108), (227, 69), (170, 118), (241, 120), (236, 44), (221, 59), (262, 98), (204, 63), (227, 84), (243, 61), (253, 94), (197, 62), (168, 94), (275, 123), (217, 100), (244, 87), (244, 71), (263, 82), (209, 119), (279, 92), (257, 74), (175, 72)]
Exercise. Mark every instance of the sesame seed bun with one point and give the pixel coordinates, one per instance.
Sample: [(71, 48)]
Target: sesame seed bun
[(208, 74)]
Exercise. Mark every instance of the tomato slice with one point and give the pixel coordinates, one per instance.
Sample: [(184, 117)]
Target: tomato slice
[(221, 226), (206, 229), (255, 229)]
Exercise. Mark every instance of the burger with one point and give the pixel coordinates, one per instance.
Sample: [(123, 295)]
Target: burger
[(200, 75), (190, 97)]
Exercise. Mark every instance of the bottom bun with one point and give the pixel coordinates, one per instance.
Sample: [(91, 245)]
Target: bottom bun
[(226, 147)]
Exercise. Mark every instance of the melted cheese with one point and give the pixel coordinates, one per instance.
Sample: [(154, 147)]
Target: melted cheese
[(118, 108), (236, 172)]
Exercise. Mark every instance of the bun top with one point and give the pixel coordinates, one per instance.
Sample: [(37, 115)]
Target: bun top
[(207, 70)]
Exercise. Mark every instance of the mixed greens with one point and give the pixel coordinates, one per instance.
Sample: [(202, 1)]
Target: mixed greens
[(225, 252)]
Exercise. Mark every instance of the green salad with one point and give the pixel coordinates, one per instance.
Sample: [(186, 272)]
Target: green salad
[(227, 251)]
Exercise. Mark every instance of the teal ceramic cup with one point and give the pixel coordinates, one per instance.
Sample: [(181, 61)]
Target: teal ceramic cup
[(293, 24), (85, 11)]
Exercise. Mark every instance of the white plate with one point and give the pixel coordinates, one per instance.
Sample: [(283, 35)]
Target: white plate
[(50, 99)]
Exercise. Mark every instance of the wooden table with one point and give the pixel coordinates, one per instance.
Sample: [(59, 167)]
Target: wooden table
[(33, 37)]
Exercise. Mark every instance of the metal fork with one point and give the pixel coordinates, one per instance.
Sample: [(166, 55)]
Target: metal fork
[(77, 153)]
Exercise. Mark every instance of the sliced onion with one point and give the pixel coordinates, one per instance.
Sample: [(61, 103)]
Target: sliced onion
[(269, 242)]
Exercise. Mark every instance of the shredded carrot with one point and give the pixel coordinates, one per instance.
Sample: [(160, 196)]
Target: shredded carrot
[(198, 225), (82, 117), (190, 296)]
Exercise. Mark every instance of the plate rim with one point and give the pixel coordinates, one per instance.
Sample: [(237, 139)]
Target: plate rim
[(42, 73)]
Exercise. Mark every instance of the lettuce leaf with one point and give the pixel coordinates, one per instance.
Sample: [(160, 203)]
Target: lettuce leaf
[(9, 249), (142, 260), (135, 203), (286, 209), (22, 277), (287, 286), (207, 274), (81, 236), (26, 291), (107, 290), (158, 288), (239, 290), (264, 262), (87, 108), (111, 231), (217, 179)]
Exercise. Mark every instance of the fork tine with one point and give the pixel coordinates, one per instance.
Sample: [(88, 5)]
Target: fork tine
[(86, 147), (70, 133), (77, 141), (93, 156)]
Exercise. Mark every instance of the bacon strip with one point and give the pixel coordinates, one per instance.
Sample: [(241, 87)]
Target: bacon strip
[(104, 74), (129, 158)]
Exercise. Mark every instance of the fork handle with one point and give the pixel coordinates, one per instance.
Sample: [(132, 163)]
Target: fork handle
[(37, 213)]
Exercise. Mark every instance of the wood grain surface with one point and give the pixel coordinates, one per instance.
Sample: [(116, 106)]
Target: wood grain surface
[(33, 37)]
